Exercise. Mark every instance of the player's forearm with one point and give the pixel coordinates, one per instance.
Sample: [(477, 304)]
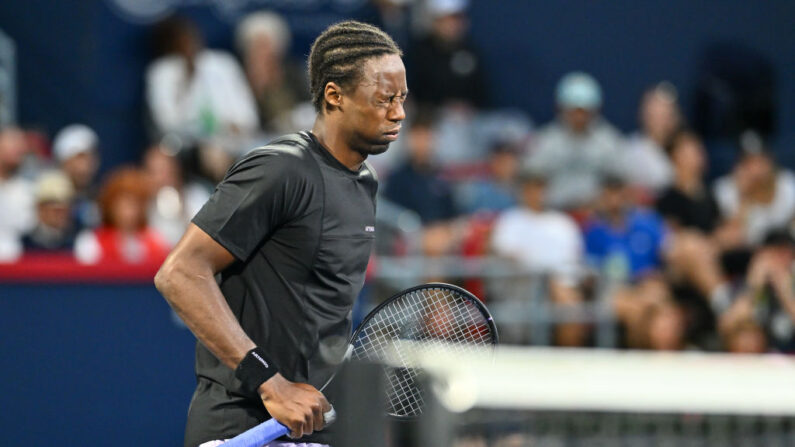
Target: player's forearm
[(198, 301)]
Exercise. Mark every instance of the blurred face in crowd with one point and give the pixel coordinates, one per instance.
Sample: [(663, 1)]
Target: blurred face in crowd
[(451, 28), (688, 155), (577, 119), (55, 214), (420, 144), (614, 199), (373, 110), (757, 169), (162, 169), (81, 168), (13, 149), (748, 338), (127, 212), (262, 62), (666, 329), (659, 115), (188, 41), (504, 165), (262, 51), (534, 193)]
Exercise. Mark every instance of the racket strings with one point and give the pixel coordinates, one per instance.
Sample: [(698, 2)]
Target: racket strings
[(425, 315)]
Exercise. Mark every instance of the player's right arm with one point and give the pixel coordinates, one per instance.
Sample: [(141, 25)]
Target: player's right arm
[(187, 281)]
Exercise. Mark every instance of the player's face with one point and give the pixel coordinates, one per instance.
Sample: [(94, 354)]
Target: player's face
[(374, 110)]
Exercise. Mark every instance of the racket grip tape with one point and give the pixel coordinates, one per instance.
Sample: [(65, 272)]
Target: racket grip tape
[(268, 431)]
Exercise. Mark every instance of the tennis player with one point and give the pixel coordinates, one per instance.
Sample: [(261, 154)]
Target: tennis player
[(267, 272)]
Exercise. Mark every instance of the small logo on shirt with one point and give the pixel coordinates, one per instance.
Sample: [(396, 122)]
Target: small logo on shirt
[(260, 359), (369, 229)]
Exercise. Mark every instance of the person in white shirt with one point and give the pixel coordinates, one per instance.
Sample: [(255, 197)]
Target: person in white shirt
[(544, 242), (195, 92), (758, 197), (17, 207), (577, 149)]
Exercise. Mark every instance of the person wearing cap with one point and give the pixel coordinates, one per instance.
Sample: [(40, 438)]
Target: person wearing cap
[(547, 243), (75, 151), (16, 193), (579, 147), (446, 67), (757, 196), (55, 230)]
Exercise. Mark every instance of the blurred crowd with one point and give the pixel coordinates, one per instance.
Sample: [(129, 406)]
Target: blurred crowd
[(690, 263)]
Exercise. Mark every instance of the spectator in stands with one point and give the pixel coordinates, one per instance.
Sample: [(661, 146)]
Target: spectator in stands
[(195, 92), (175, 201), (278, 85), (417, 185), (16, 194), (622, 240), (659, 118), (758, 196), (745, 337), (55, 230), (665, 327), (496, 192), (625, 244), (446, 67), (75, 150), (124, 235), (579, 148), (697, 240), (544, 242), (767, 298)]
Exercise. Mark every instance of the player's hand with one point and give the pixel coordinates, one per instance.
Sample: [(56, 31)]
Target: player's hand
[(299, 406)]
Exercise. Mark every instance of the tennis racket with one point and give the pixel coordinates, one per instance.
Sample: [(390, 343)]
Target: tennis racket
[(434, 312)]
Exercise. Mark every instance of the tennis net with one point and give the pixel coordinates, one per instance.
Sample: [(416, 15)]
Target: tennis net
[(520, 397)]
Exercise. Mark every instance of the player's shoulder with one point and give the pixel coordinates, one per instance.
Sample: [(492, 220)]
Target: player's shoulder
[(290, 148), (286, 155)]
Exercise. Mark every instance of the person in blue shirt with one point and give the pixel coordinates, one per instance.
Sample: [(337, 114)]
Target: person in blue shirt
[(623, 241), (625, 244)]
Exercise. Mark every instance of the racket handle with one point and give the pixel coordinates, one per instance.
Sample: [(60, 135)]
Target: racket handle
[(268, 431)]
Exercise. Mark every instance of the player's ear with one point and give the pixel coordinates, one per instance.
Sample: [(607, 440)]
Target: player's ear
[(333, 94)]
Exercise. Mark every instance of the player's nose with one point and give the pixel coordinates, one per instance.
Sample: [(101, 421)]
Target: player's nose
[(397, 112)]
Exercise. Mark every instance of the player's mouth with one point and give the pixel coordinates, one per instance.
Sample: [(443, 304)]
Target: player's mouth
[(392, 135)]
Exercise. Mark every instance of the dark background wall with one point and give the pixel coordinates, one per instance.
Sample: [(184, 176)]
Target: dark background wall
[(84, 60), (92, 365)]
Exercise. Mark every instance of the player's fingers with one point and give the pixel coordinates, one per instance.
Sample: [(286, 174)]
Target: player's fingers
[(298, 430), (324, 405), (317, 417)]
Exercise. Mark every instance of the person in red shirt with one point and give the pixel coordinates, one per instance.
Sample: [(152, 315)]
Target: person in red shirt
[(124, 234)]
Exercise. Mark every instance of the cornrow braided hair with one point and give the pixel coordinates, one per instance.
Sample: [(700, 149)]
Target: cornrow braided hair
[(338, 55)]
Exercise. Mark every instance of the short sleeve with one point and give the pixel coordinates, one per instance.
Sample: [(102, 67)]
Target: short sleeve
[(258, 195)]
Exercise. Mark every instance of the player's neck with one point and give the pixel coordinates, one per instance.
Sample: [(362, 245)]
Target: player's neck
[(337, 146)]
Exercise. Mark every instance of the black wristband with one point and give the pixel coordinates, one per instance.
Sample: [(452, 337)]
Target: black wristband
[(254, 370)]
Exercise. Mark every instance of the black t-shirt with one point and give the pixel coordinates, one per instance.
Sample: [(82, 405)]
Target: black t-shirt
[(699, 212), (301, 226)]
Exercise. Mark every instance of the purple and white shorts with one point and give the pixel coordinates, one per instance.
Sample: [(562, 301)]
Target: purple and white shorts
[(272, 444)]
